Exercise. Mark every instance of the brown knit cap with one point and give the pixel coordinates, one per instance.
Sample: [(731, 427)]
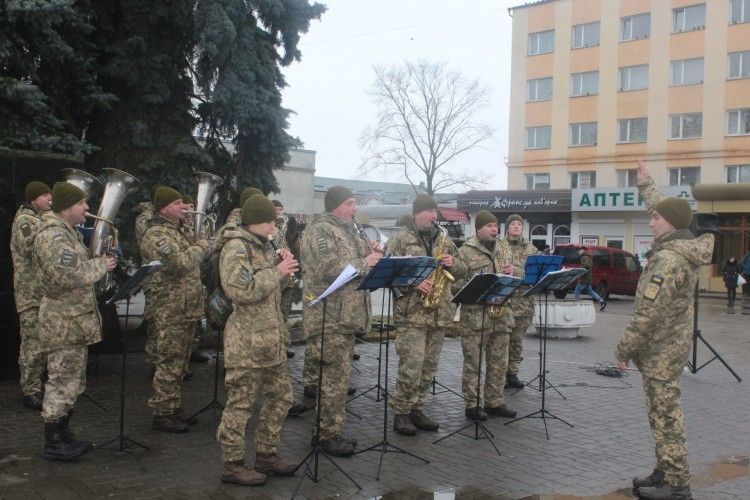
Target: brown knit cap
[(188, 199), (512, 218), (34, 189), (258, 209), (676, 211), (423, 202), (163, 196), (65, 195), (247, 193), (335, 196), (483, 218)]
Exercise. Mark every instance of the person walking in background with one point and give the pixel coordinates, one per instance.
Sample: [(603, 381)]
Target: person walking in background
[(584, 283), (731, 273)]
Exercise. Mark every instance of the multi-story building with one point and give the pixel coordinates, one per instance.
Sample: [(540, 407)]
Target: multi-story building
[(596, 84)]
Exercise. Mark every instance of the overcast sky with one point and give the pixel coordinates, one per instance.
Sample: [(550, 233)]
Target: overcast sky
[(328, 88)]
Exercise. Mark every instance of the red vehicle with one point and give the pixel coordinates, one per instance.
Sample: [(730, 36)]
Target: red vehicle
[(615, 271)]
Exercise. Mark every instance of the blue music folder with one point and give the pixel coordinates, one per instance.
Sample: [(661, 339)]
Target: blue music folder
[(398, 271), (538, 265)]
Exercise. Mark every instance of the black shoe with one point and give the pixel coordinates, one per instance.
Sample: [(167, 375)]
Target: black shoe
[(185, 418), (168, 423), (655, 479), (34, 401), (475, 414), (499, 411), (337, 447), (348, 439), (351, 390), (311, 392), (290, 353), (665, 492), (512, 380), (199, 356), (355, 356), (57, 447), (422, 421), (602, 305), (298, 409), (403, 424)]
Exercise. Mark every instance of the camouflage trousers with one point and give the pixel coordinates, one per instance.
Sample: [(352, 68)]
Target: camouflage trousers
[(31, 359), (418, 352), (192, 344), (495, 348), (515, 345), (66, 372), (171, 342), (310, 366), (337, 367), (667, 423), (243, 387), (287, 297)]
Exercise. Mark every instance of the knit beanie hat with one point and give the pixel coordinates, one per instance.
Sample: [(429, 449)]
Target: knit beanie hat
[(187, 199), (65, 195), (513, 218), (277, 204), (247, 193), (35, 189), (335, 196), (163, 196), (405, 220), (676, 211), (483, 218), (258, 209), (422, 202)]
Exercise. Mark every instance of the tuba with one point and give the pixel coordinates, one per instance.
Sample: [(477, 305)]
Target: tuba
[(440, 277), (84, 181), (205, 224)]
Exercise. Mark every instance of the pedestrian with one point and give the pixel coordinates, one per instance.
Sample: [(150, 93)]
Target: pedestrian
[(745, 270), (731, 273), (584, 283)]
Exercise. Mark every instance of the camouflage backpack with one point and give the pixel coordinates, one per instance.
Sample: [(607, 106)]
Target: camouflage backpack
[(219, 305)]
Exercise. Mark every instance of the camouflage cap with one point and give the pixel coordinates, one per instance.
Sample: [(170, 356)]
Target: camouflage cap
[(34, 189), (65, 195), (258, 209)]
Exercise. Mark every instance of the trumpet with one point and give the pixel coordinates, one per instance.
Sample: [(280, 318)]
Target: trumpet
[(293, 276)]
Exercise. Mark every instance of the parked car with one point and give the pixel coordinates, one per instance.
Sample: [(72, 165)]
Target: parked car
[(615, 271)]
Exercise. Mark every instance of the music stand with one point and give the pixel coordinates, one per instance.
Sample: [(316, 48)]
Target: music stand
[(392, 272), (214, 404), (555, 280), (377, 387), (487, 290), (126, 291)]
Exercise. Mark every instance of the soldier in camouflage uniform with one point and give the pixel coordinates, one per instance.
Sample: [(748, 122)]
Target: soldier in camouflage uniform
[(329, 244), (235, 216), (142, 220), (420, 331), (255, 341), (522, 307), (26, 290), (279, 237), (69, 319), (480, 254), (176, 298), (658, 338)]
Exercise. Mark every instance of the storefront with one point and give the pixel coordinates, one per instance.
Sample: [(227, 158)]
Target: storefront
[(546, 213)]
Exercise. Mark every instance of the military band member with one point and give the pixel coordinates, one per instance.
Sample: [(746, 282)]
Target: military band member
[(69, 319), (522, 307), (254, 351), (329, 244), (420, 331), (26, 290), (235, 216), (176, 297), (658, 338), (145, 214), (482, 254)]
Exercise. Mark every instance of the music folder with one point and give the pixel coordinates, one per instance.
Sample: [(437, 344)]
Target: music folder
[(556, 280), (392, 272), (134, 283), (488, 288)]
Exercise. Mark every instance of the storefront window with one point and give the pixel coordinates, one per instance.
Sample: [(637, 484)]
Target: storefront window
[(539, 236), (561, 236), (733, 239)]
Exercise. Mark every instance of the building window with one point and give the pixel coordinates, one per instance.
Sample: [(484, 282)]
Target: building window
[(684, 176), (538, 137), (539, 89), (738, 122), (537, 181), (686, 126), (634, 77), (583, 134), (541, 43), (739, 65), (738, 173), (689, 18), (635, 27), (686, 71), (584, 83), (739, 11), (585, 35), (561, 235), (632, 130), (539, 236), (582, 180), (627, 178)]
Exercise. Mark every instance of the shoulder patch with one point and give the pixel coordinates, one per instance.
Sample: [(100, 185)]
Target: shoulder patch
[(244, 277), (163, 246), (654, 287), (68, 258), (322, 244), (25, 229)]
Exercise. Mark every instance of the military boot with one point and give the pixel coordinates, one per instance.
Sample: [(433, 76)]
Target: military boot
[(403, 425), (351, 390), (68, 437), (655, 479), (475, 414), (57, 448), (272, 464), (168, 423), (500, 411), (348, 439), (310, 392), (34, 401), (337, 447), (422, 421), (197, 356), (665, 491), (512, 380), (239, 473), (185, 418)]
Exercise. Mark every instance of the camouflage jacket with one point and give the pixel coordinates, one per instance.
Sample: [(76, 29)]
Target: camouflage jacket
[(255, 335), (328, 245), (659, 335), (409, 309), (26, 288), (174, 292), (68, 312), (142, 220), (479, 259), (234, 217), (519, 250), (650, 193)]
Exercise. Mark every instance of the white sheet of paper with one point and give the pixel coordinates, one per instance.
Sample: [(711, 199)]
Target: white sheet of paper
[(348, 274)]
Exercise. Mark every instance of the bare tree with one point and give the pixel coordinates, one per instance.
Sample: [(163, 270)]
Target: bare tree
[(425, 120)]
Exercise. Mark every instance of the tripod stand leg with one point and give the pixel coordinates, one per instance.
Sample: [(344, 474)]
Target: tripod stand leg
[(695, 369)]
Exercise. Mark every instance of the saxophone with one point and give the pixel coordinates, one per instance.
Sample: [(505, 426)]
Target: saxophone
[(440, 277)]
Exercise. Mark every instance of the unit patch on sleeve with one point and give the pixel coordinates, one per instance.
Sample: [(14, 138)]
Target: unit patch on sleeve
[(68, 258), (164, 246), (244, 277), (25, 229), (654, 287), (322, 244)]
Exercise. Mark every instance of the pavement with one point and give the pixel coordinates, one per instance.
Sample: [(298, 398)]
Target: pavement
[(609, 442)]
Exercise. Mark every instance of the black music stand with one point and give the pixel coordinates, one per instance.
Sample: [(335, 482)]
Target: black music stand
[(392, 272), (214, 404), (317, 449), (126, 291), (487, 290), (381, 328), (555, 280)]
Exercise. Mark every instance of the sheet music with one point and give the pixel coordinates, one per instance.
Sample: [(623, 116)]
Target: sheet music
[(347, 275)]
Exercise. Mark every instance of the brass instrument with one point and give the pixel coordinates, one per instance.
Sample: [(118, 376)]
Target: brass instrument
[(84, 181), (205, 224), (440, 277)]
